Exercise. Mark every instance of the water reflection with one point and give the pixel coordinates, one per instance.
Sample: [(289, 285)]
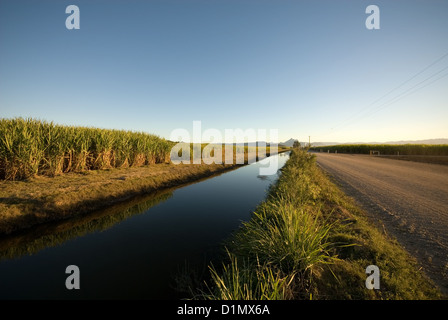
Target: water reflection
[(29, 242)]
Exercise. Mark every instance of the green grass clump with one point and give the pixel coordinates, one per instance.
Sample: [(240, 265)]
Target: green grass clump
[(283, 235), (242, 280)]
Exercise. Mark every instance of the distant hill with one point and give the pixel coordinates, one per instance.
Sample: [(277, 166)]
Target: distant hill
[(288, 143), (426, 141)]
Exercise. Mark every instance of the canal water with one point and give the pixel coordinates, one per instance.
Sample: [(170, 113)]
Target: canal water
[(135, 250)]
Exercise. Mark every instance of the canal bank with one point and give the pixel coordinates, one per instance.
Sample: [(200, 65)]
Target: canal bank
[(40, 199)]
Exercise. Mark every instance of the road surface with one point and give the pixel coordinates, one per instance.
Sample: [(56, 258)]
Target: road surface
[(409, 199)]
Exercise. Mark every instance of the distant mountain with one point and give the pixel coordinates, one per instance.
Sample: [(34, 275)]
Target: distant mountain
[(288, 143), (427, 141)]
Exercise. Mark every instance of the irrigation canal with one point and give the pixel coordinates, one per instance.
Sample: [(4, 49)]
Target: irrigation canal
[(134, 250)]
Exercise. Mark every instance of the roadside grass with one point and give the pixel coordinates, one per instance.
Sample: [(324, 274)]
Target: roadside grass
[(308, 240), (243, 280)]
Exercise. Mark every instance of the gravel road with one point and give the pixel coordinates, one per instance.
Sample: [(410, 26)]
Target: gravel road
[(408, 199)]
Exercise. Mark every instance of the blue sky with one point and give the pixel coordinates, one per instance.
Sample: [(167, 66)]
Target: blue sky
[(306, 68)]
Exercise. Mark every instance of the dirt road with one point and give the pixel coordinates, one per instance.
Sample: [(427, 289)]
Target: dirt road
[(409, 199)]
